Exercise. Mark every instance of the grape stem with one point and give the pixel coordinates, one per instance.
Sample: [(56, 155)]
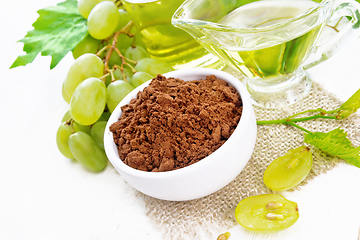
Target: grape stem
[(125, 30), (71, 123), (104, 76), (112, 75), (336, 25), (291, 120), (125, 61), (297, 126), (121, 68), (102, 50), (118, 2)]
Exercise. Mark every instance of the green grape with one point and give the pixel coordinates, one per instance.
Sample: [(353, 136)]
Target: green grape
[(266, 213), (139, 78), (123, 20), (87, 45), (97, 133), (289, 170), (62, 140), (81, 128), (119, 76), (153, 66), (88, 101), (85, 6), (65, 96), (127, 71), (116, 91), (124, 41), (136, 53), (103, 20), (86, 66), (76, 127), (108, 80), (66, 117), (114, 59), (87, 152), (105, 116), (138, 40)]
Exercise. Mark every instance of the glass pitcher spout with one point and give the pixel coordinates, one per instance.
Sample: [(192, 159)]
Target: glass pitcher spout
[(194, 15), (221, 26), (269, 41)]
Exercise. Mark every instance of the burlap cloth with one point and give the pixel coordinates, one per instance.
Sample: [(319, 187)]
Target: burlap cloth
[(213, 213)]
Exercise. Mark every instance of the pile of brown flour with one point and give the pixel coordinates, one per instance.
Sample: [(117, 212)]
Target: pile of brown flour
[(175, 123)]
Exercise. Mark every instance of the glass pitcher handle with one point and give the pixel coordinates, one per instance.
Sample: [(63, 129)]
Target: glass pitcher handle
[(350, 32)]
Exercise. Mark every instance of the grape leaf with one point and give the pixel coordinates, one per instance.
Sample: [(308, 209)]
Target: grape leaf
[(335, 143), (350, 106), (56, 32)]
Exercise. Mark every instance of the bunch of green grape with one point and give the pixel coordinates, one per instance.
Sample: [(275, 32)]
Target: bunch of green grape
[(110, 62)]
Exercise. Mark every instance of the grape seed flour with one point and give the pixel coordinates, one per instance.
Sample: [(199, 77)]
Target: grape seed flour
[(174, 123)]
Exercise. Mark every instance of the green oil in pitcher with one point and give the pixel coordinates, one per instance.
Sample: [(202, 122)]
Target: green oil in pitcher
[(277, 54), (164, 41), (272, 42)]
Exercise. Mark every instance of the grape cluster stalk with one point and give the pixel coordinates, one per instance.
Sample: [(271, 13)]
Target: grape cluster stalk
[(110, 62)]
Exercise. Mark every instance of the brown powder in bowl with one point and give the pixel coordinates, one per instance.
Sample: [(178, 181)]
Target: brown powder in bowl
[(175, 123)]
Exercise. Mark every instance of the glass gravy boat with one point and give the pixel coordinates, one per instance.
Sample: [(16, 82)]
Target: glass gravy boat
[(271, 42)]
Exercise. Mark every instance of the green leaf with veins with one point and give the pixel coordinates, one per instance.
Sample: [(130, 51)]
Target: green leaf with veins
[(350, 106), (335, 143), (56, 32)]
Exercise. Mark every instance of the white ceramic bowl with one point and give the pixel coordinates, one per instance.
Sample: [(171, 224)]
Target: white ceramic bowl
[(205, 176)]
